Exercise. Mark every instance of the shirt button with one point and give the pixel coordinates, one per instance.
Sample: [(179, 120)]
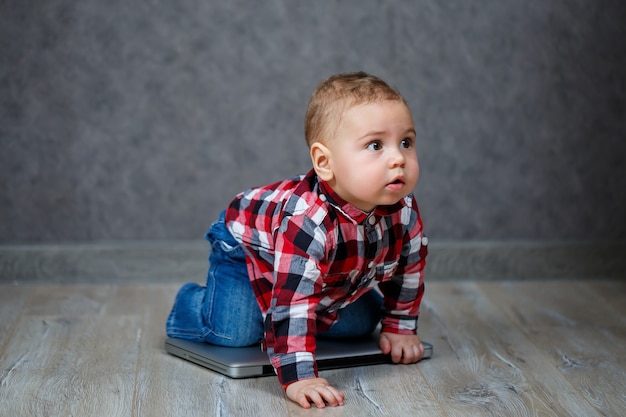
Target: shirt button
[(424, 241), (323, 197), (372, 220), (371, 264)]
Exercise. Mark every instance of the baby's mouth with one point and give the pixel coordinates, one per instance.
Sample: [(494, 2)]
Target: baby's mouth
[(398, 183)]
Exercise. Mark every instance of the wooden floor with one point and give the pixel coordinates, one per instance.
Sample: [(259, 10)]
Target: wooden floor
[(543, 348)]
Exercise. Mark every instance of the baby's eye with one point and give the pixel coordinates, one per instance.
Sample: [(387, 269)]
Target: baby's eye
[(374, 146), (406, 143)]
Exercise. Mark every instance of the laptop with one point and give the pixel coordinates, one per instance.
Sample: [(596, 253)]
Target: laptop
[(249, 362)]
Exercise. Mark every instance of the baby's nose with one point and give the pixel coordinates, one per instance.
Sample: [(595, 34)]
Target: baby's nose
[(396, 158)]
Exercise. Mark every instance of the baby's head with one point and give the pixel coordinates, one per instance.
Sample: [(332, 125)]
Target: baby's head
[(338, 93), (361, 139)]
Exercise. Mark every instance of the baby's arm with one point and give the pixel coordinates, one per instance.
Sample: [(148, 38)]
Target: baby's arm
[(404, 348), (316, 391)]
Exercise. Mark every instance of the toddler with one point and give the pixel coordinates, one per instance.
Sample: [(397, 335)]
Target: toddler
[(301, 259)]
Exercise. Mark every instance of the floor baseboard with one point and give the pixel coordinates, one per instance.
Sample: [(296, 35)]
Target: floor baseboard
[(178, 261)]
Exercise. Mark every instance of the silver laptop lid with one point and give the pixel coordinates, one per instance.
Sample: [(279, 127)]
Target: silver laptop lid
[(253, 362)]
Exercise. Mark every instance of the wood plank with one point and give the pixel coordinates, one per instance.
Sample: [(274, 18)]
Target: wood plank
[(583, 338), (106, 379), (610, 293), (380, 390), (69, 358), (11, 302), (67, 300), (484, 365)]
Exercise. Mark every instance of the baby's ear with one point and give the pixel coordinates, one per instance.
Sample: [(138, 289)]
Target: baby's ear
[(321, 156)]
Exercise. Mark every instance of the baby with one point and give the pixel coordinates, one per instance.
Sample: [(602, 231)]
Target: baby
[(333, 253)]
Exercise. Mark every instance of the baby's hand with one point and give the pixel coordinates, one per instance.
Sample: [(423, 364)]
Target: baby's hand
[(403, 348), (316, 391)]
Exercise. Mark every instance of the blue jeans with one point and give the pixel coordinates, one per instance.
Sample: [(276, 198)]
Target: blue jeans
[(225, 311)]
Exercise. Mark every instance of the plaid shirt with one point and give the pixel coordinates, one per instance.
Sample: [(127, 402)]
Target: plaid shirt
[(309, 253)]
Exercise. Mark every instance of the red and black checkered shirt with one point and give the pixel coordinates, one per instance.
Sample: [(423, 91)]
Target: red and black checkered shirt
[(309, 253)]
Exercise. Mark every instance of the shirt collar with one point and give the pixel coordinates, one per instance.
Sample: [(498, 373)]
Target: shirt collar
[(355, 214)]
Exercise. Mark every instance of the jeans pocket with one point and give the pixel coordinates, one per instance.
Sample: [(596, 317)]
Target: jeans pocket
[(224, 247), (227, 252)]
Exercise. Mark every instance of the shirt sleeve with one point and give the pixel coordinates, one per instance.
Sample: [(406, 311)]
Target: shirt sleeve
[(402, 295), (290, 326)]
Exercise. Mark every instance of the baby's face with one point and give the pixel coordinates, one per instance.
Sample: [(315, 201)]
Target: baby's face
[(374, 161)]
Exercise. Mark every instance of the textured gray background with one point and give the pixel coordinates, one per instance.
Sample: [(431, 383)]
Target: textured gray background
[(140, 120)]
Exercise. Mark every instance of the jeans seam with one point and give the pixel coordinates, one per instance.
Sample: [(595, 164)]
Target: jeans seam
[(209, 314)]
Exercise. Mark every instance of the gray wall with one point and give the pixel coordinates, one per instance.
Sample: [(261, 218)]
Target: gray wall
[(140, 120)]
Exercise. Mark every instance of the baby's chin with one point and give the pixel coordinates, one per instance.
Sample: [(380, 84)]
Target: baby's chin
[(390, 201)]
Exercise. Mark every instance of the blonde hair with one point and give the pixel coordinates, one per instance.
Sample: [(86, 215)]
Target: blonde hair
[(337, 93)]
